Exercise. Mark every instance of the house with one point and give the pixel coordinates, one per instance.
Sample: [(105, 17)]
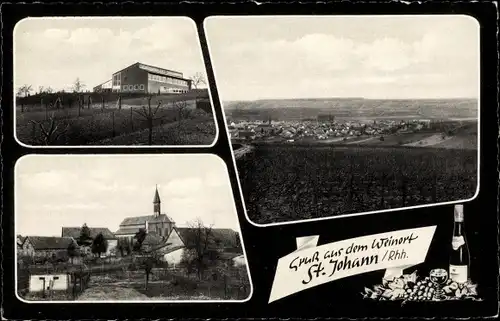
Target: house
[(221, 238), (143, 78), (111, 239), (233, 131), (46, 246), (173, 248), (239, 260), (264, 128), (246, 135), (224, 241), (158, 223), (19, 242)]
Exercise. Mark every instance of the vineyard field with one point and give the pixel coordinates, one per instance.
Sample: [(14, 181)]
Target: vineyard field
[(90, 126), (286, 183)]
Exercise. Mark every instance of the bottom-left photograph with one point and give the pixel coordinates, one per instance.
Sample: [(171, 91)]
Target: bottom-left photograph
[(127, 228)]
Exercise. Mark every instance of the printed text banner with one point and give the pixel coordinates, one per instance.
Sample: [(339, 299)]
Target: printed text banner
[(312, 265)]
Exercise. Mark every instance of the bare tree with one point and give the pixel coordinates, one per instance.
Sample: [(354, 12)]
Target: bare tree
[(149, 115), (200, 239), (49, 90), (40, 89), (25, 90), (52, 132), (197, 80), (181, 106), (78, 85)]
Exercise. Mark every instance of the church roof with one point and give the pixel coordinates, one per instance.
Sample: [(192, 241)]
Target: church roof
[(136, 220)]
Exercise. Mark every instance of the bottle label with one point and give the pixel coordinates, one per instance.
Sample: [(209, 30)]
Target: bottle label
[(458, 273), (457, 242)]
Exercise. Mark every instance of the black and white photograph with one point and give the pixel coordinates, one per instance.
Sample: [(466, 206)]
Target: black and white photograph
[(112, 81), (127, 228), (334, 116)]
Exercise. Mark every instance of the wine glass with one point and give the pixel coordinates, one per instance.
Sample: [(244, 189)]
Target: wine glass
[(439, 277)]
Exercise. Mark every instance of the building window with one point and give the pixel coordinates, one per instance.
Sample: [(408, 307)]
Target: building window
[(141, 87), (136, 87)]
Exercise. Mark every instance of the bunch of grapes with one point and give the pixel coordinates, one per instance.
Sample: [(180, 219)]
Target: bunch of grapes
[(423, 290)]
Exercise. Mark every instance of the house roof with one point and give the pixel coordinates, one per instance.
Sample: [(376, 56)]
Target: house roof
[(49, 242), (136, 220), (103, 83), (126, 231), (227, 238), (74, 232), (20, 240), (141, 66), (246, 133)]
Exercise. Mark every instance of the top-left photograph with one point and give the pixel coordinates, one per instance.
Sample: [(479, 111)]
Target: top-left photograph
[(111, 81)]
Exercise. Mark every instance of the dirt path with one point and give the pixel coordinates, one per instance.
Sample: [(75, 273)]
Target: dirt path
[(361, 141), (112, 293), (429, 141)]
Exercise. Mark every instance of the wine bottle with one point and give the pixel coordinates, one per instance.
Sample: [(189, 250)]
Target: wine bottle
[(459, 257)]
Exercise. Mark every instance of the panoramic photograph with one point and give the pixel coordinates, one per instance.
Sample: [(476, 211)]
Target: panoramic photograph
[(108, 228), (111, 81), (344, 115)]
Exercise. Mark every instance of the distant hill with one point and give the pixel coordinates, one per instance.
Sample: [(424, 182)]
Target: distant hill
[(296, 109)]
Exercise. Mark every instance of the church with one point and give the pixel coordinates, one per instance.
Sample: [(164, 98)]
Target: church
[(157, 223), (171, 241)]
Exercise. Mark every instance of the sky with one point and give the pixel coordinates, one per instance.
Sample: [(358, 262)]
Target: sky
[(53, 191), (55, 51), (398, 57)]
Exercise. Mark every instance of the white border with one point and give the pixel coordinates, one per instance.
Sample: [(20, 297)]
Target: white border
[(216, 138), (235, 211), (361, 213)]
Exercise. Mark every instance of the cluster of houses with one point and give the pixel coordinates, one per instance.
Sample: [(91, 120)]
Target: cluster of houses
[(162, 237), (322, 128)]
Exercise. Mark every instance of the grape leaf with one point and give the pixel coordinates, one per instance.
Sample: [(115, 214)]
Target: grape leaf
[(472, 289), (387, 293)]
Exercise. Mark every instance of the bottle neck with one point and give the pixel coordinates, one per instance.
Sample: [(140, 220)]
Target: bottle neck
[(458, 228)]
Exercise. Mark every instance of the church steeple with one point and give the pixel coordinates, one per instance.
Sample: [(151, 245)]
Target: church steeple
[(156, 203)]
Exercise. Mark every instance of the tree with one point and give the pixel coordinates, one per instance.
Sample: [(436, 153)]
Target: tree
[(25, 90), (99, 245), (72, 251), (49, 90), (85, 239), (150, 117), (40, 89), (51, 133), (197, 80), (181, 107), (78, 85), (139, 237), (149, 257), (237, 240), (199, 240)]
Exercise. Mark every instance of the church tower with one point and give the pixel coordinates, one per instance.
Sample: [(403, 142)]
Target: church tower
[(156, 203)]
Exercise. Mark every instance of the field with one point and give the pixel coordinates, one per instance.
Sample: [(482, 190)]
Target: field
[(291, 182), (122, 281), (351, 108), (175, 122)]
